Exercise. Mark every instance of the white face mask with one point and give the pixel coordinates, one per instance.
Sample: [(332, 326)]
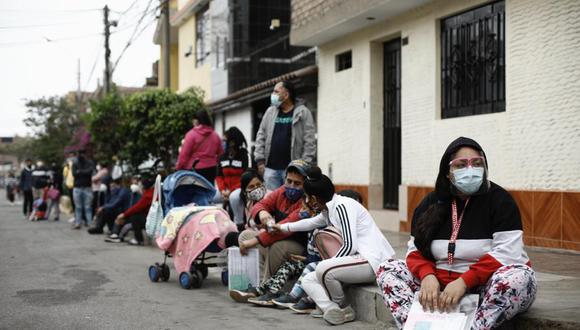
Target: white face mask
[(135, 188), (468, 180)]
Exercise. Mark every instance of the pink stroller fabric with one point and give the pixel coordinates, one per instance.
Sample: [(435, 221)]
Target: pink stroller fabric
[(185, 242)]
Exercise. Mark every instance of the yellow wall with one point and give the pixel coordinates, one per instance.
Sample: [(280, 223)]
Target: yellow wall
[(174, 68), (189, 74)]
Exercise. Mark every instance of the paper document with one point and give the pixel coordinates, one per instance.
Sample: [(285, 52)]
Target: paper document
[(459, 318)]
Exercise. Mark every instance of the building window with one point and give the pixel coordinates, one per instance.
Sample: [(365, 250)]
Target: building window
[(202, 36), (343, 61), (473, 62)]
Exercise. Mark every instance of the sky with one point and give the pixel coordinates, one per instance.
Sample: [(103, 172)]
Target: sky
[(41, 42)]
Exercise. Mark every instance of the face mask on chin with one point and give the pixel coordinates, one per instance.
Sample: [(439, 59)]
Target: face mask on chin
[(468, 180)]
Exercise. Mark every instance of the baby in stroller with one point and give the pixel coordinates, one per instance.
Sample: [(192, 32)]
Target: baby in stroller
[(191, 231)]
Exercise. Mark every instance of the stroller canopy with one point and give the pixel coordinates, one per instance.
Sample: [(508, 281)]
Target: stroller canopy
[(185, 187)]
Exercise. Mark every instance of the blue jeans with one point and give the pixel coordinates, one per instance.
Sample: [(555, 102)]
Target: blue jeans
[(274, 178), (83, 198)]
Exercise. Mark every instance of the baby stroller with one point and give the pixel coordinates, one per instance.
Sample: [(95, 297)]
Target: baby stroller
[(192, 232)]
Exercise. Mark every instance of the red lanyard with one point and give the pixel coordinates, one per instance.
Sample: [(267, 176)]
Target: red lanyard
[(455, 230)]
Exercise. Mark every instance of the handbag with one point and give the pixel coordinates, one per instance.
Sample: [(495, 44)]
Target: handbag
[(155, 214), (328, 241), (53, 193)]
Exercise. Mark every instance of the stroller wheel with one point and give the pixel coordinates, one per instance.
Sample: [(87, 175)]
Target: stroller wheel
[(225, 277), (204, 270), (154, 272), (197, 279), (164, 273), (186, 280)]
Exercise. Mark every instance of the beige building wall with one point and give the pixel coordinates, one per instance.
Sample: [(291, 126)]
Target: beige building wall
[(189, 74)]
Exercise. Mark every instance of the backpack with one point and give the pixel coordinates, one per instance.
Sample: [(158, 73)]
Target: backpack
[(328, 241)]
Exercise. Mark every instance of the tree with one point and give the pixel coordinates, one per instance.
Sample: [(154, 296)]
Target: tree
[(155, 122), (54, 121), (105, 126)]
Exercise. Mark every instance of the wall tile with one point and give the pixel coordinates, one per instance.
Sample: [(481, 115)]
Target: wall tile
[(524, 200), (571, 217), (571, 245), (549, 243), (547, 215)]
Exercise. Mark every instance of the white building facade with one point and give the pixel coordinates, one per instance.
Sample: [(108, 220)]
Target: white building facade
[(399, 80)]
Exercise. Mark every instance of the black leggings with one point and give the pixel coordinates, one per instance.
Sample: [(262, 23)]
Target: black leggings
[(209, 173), (27, 204), (138, 223)]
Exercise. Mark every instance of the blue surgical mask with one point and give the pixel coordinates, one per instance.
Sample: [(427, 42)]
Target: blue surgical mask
[(275, 100), (468, 180), (293, 194)]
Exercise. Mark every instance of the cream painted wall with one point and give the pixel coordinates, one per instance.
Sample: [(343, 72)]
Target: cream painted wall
[(533, 145), (189, 74), (242, 119)]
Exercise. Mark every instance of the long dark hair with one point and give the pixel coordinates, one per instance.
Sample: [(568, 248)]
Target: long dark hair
[(245, 179), (428, 223), (235, 135)]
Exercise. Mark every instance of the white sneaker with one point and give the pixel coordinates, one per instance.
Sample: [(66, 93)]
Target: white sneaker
[(71, 220), (114, 236), (317, 313), (336, 316)]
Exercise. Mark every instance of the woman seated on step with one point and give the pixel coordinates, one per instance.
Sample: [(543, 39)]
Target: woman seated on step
[(364, 247), (466, 237)]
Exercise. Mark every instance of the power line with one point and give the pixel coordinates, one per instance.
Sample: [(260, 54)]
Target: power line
[(12, 27), (48, 40), (50, 11), (134, 34)]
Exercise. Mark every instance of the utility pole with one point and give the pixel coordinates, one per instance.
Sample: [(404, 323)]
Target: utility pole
[(107, 80), (166, 43)]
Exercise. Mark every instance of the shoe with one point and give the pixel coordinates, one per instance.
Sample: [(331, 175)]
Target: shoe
[(317, 313), (56, 219), (285, 301), (304, 306), (265, 299), (337, 316), (71, 220), (113, 240), (113, 235), (134, 242), (242, 296), (95, 230), (76, 226)]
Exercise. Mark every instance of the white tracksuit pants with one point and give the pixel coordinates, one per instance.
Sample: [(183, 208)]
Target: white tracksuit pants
[(324, 285)]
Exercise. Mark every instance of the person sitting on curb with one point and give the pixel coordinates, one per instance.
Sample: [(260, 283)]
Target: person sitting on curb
[(281, 205), (466, 237), (251, 191), (121, 199), (364, 247), (136, 215)]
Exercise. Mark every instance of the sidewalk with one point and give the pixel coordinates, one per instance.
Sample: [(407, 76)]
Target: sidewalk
[(556, 306)]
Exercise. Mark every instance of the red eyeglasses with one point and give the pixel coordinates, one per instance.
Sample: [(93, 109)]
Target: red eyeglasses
[(459, 163)]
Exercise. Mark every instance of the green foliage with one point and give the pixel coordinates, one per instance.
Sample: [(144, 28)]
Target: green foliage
[(142, 126), (105, 125), (54, 121)]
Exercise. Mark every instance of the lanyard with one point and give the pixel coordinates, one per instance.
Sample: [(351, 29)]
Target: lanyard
[(455, 230)]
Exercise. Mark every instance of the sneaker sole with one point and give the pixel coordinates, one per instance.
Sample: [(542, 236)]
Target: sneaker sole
[(301, 311), (317, 316), (334, 316), (261, 303), (239, 297), (282, 305)]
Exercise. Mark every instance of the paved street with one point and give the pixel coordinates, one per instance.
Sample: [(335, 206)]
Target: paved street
[(55, 278)]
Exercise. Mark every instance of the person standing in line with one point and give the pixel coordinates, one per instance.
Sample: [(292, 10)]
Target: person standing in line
[(286, 133), (201, 144), (232, 163), (40, 179), (82, 171), (26, 188)]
